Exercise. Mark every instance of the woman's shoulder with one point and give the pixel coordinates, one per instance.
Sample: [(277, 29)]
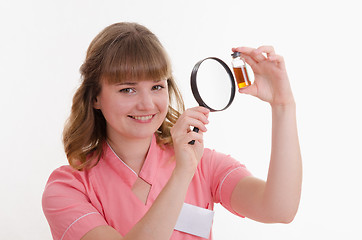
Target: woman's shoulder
[(68, 177), (64, 175), (214, 159), (212, 154)]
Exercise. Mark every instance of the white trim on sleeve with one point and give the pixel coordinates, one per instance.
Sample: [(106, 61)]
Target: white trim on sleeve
[(222, 182), (77, 221)]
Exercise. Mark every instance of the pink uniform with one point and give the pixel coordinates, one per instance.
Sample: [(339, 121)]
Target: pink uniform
[(74, 202)]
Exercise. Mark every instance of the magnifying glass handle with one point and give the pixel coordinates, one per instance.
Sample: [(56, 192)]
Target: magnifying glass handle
[(195, 130)]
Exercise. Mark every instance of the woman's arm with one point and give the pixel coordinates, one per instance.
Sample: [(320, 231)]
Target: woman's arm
[(158, 223), (277, 199)]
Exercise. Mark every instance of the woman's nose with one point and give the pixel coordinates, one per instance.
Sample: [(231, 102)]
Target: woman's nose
[(145, 102)]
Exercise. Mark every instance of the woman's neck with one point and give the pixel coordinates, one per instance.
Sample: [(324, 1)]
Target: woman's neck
[(132, 152)]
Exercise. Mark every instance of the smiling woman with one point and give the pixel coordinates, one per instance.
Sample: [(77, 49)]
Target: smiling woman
[(120, 54), (133, 173)]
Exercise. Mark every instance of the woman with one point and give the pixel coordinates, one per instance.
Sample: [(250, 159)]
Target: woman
[(132, 171)]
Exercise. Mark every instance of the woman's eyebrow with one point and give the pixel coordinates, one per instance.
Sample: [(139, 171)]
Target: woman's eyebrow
[(135, 83), (127, 83)]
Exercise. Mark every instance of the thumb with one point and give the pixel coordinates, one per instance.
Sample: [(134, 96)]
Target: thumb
[(250, 90)]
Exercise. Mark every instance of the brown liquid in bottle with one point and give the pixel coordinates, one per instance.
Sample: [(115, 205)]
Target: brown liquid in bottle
[(242, 77)]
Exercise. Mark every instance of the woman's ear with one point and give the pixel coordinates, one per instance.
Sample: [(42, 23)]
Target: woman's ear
[(96, 103)]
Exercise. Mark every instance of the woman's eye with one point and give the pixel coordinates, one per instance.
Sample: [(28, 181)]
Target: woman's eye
[(157, 87), (127, 90)]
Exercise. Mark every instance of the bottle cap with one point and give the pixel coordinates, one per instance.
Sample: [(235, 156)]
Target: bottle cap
[(235, 54)]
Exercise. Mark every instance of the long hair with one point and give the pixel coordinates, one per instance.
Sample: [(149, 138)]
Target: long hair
[(122, 51)]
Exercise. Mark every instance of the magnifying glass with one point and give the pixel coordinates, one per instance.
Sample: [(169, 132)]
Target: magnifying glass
[(213, 85)]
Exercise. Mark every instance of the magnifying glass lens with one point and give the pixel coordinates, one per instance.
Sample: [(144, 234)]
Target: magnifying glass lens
[(213, 84)]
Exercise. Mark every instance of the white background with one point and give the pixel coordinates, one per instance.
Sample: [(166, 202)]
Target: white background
[(43, 44)]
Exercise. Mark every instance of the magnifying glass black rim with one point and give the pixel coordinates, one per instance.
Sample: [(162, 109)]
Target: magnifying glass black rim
[(195, 90)]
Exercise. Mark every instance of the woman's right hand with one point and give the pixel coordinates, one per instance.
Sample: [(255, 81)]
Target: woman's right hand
[(187, 155)]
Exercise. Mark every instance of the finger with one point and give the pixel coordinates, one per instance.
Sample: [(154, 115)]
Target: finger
[(249, 60), (190, 118), (268, 50), (255, 55), (258, 55), (246, 55), (201, 109), (251, 90), (252, 52), (199, 113), (245, 50), (180, 137), (276, 58), (184, 124), (193, 136), (192, 122)]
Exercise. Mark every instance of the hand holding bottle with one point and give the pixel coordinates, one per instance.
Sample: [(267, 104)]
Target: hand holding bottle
[(271, 82)]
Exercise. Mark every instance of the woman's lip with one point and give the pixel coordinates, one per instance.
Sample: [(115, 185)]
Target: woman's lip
[(143, 117)]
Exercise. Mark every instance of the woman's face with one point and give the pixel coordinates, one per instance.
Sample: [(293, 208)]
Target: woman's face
[(134, 109)]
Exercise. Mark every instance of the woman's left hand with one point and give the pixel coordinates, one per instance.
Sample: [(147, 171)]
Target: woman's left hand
[(188, 156), (271, 82)]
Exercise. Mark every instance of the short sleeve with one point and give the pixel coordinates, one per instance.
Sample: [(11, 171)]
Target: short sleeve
[(67, 207), (226, 172)]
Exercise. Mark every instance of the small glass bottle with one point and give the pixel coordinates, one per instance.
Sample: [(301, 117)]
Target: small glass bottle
[(239, 67)]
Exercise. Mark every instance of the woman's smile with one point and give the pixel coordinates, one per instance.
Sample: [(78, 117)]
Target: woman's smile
[(142, 118)]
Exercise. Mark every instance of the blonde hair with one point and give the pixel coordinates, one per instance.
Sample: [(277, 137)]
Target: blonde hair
[(122, 51)]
